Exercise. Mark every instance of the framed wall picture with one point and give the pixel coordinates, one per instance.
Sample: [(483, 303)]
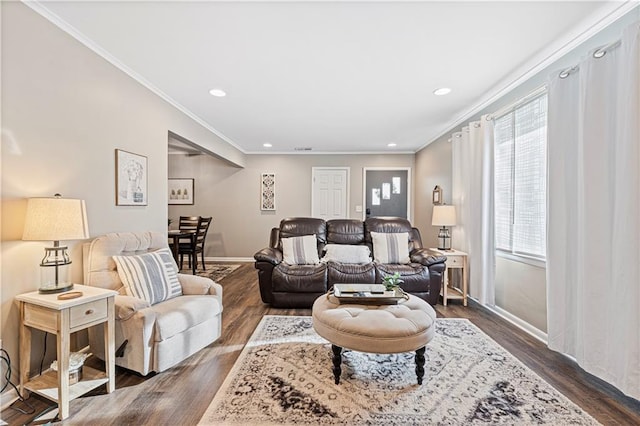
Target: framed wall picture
[(436, 196), (131, 179), (268, 191), (181, 191)]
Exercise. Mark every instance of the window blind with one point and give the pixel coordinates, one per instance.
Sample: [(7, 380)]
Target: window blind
[(520, 178)]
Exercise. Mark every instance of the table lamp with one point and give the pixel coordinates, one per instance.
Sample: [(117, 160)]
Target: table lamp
[(444, 215), (56, 219)]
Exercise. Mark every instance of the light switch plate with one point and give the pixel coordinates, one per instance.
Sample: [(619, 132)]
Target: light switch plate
[(358, 209)]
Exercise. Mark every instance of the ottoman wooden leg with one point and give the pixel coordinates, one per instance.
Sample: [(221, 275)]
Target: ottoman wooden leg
[(337, 360), (419, 364)]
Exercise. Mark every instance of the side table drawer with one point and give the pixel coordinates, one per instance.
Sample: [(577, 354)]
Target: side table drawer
[(88, 312), (454, 262), (41, 318)]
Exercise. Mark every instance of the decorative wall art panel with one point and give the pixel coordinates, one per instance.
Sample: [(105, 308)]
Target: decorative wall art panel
[(268, 191)]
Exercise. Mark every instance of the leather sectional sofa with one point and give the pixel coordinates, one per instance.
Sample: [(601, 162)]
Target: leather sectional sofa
[(287, 285)]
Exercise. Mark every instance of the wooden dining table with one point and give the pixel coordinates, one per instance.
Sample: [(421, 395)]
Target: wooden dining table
[(177, 235)]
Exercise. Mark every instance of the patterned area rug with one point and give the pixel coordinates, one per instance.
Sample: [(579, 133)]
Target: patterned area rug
[(215, 271), (283, 377)]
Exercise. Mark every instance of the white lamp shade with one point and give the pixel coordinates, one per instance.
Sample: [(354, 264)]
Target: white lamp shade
[(444, 215), (55, 219)]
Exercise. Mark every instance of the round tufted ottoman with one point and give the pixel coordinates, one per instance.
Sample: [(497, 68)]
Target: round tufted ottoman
[(383, 329)]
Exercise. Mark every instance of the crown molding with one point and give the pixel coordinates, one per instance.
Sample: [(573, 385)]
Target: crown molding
[(591, 26), (40, 8), (331, 153)]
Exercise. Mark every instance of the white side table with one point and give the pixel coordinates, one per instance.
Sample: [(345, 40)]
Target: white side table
[(63, 317), (455, 260)]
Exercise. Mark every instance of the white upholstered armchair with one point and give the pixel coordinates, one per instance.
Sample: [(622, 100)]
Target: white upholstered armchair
[(158, 336)]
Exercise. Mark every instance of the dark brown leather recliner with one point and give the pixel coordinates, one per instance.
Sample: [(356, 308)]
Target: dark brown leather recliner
[(297, 286)]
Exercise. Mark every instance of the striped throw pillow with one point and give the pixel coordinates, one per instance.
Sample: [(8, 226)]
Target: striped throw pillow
[(300, 250), (151, 276), (390, 248)]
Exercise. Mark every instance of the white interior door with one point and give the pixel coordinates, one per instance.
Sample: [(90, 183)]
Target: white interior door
[(330, 192)]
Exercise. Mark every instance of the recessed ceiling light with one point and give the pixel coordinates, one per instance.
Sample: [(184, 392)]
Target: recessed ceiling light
[(442, 91), (267, 145), (217, 93), (391, 145)]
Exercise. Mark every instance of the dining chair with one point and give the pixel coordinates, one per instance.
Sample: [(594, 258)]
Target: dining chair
[(188, 223), (196, 245), (187, 228)]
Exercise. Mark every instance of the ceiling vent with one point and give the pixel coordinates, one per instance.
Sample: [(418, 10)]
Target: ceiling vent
[(302, 148)]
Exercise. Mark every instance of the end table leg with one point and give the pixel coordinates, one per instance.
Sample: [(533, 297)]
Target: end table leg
[(25, 352), (337, 360), (110, 346), (63, 352), (420, 359)]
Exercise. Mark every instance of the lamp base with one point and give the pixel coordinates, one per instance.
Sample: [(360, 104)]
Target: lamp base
[(444, 239), (60, 288)]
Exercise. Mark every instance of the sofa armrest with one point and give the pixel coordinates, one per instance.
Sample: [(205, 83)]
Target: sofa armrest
[(423, 257), (194, 285), (127, 306), (269, 254)]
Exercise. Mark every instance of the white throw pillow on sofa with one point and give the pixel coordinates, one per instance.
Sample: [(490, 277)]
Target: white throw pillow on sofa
[(390, 247), (300, 250), (151, 276), (345, 253)]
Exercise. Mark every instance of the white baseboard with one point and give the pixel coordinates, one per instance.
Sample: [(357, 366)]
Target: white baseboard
[(518, 322), (229, 259), (9, 395), (7, 398)]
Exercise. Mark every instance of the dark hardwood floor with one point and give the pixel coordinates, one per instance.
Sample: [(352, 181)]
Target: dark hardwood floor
[(180, 395)]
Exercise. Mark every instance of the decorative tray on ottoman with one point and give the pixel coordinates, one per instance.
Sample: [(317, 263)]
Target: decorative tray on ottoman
[(368, 294)]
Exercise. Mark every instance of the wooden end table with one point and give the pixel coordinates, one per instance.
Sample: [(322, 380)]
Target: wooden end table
[(62, 317), (456, 259)]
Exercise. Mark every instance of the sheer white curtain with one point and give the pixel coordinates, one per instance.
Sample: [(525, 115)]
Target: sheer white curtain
[(593, 243), (472, 189)]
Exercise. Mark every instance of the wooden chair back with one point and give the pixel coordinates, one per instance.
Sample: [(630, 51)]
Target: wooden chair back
[(203, 227), (189, 223)]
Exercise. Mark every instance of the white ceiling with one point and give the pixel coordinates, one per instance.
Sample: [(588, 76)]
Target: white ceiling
[(331, 76)]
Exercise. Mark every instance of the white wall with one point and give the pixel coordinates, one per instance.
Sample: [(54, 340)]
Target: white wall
[(232, 195), (433, 167), (521, 290), (64, 112)]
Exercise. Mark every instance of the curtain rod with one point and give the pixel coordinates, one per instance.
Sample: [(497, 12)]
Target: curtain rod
[(597, 54)]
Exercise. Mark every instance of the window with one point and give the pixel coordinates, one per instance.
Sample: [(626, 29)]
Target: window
[(521, 178)]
